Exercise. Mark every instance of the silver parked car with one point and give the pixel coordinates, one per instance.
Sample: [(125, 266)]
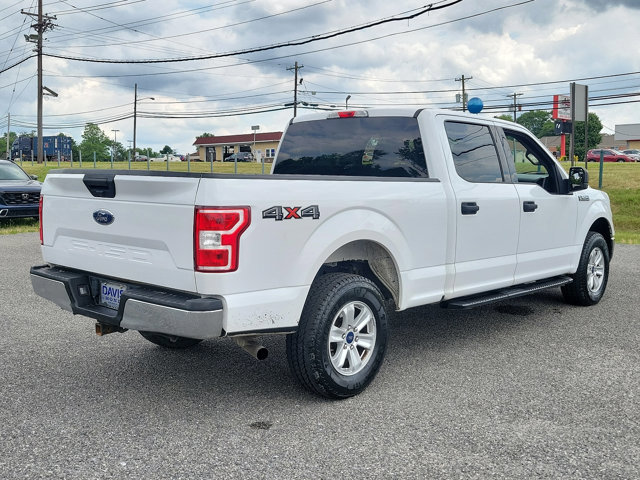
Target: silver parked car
[(633, 153)]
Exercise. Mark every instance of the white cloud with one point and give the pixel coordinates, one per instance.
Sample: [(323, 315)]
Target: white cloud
[(543, 41)]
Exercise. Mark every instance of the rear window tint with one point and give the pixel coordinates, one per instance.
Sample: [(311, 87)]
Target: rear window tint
[(376, 147)]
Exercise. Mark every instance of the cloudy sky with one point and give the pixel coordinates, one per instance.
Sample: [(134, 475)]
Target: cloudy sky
[(533, 48)]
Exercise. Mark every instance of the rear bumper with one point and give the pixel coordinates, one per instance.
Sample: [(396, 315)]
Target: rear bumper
[(141, 308)]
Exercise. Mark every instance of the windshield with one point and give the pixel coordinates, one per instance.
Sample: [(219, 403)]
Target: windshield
[(10, 171)]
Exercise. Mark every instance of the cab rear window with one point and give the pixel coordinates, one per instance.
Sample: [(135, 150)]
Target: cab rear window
[(375, 147)]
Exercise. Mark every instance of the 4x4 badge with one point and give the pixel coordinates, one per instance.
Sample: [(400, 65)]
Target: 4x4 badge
[(287, 213)]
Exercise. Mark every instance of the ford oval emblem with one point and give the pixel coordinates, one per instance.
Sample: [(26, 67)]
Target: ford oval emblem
[(103, 217)]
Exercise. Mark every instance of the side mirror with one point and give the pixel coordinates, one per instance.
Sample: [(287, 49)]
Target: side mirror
[(578, 178), (33, 177)]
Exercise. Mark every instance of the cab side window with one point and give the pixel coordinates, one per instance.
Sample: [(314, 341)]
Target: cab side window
[(474, 152), (530, 162)]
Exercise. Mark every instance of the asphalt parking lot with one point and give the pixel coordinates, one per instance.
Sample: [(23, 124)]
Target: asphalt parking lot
[(529, 388)]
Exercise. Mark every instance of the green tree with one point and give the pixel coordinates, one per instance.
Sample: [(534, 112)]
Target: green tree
[(594, 137), (119, 152), (505, 116), (537, 121), (148, 152), (205, 134), (3, 143), (547, 130), (75, 150), (166, 149), (95, 140)]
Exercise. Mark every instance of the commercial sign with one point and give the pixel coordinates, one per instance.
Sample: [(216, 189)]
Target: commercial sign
[(561, 107)]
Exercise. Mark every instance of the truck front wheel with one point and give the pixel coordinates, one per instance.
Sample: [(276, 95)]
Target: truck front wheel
[(170, 341), (342, 336), (590, 280)]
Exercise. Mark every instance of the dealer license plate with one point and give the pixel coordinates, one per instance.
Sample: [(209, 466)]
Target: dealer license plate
[(110, 294)]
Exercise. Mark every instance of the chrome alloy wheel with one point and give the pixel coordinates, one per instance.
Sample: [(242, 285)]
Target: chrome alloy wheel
[(595, 270), (352, 338)]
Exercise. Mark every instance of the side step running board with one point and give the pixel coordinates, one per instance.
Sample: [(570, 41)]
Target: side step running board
[(505, 293)]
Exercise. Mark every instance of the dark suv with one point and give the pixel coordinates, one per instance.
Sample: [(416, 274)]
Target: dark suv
[(19, 192)]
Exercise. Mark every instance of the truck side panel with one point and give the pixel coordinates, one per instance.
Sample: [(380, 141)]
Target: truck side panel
[(404, 217)]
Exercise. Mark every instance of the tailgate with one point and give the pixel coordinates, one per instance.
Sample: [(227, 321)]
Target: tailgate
[(121, 224)]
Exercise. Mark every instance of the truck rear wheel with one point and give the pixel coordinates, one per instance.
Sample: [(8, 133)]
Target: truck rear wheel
[(590, 280), (170, 341), (342, 336)]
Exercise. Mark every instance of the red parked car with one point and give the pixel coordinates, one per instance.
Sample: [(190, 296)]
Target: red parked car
[(610, 155)]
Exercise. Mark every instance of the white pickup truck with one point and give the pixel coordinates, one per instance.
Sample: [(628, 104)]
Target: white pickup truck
[(364, 212)]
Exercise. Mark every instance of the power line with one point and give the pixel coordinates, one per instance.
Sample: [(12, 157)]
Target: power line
[(132, 42), (101, 6), (17, 63), (248, 62), (292, 43), (119, 24), (10, 6), (271, 59), (404, 92), (154, 38), (157, 19), (333, 73)]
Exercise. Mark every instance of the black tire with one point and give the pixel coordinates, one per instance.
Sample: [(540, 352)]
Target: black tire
[(620, 160), (344, 367), (170, 341), (590, 280)]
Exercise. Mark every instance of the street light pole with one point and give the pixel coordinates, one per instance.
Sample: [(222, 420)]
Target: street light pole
[(115, 133), (135, 106), (346, 102), (135, 114), (255, 128)]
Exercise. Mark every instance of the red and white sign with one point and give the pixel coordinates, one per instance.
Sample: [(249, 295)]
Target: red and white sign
[(561, 107)]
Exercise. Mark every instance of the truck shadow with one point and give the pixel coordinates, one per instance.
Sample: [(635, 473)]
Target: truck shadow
[(219, 372)]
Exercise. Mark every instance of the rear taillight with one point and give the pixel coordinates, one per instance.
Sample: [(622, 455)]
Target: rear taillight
[(216, 235), (40, 220)]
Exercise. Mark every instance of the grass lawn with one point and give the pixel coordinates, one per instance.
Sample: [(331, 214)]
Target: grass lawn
[(620, 180)]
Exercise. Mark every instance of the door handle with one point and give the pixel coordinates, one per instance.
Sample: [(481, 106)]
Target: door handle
[(529, 206), (469, 208)]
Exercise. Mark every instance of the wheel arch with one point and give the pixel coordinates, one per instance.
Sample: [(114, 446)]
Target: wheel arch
[(363, 241), (604, 228), (369, 259), (594, 216)]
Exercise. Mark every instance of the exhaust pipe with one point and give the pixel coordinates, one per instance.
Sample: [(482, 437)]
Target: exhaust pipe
[(252, 347), (105, 329), (3, 212)]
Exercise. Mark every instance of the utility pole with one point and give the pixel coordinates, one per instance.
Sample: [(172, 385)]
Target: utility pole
[(464, 99), (8, 135), (295, 87), (515, 103), (135, 108), (44, 24)]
